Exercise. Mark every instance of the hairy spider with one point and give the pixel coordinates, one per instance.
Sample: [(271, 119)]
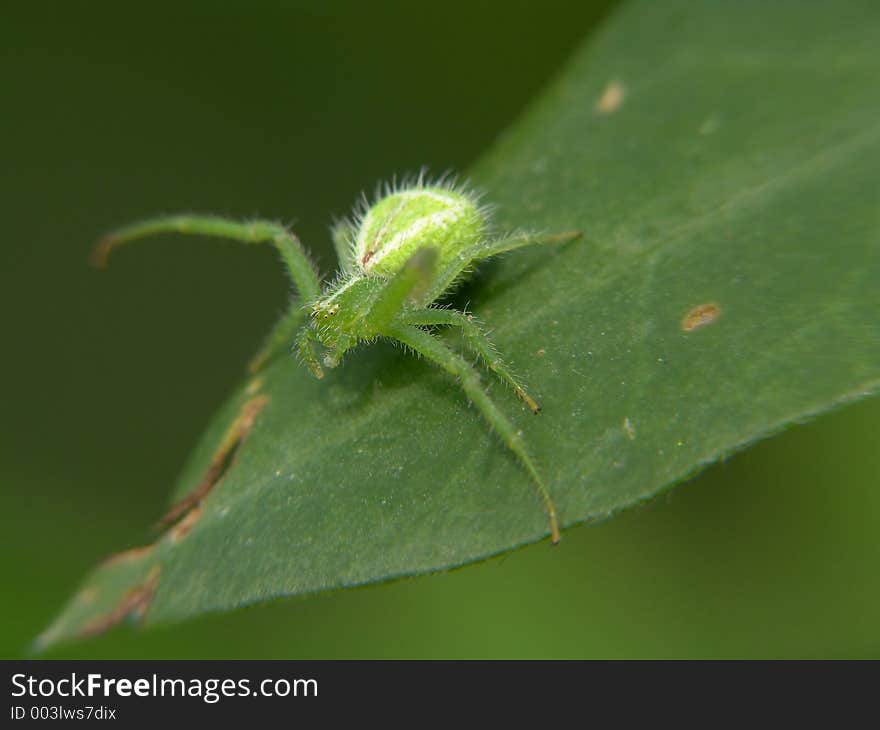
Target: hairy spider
[(397, 257)]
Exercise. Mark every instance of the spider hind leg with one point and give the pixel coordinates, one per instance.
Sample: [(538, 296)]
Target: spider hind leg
[(432, 349)]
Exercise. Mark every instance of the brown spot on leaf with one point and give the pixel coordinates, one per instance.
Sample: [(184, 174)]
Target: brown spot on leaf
[(611, 99), (700, 316), (224, 458), (127, 555), (134, 604), (187, 522)]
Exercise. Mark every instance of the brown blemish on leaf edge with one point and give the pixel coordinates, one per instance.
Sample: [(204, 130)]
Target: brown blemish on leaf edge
[(134, 605), (222, 461), (127, 555), (186, 523)]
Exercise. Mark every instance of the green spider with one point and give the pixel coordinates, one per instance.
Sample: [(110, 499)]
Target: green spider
[(397, 258)]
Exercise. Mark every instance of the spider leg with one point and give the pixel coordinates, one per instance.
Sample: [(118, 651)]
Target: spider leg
[(282, 334), (485, 250), (303, 347), (478, 342), (343, 233), (490, 248), (300, 268), (407, 284), (292, 253), (431, 348)]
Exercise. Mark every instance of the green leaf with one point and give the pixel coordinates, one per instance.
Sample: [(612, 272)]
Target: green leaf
[(722, 160)]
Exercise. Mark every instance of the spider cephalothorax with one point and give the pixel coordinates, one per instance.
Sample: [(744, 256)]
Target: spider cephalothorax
[(397, 257)]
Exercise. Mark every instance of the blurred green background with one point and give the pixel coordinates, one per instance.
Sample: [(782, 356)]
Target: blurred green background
[(111, 112)]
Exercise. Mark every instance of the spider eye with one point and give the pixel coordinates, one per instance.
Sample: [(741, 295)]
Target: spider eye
[(323, 311)]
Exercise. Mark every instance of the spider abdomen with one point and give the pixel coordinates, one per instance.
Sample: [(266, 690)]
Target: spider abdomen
[(404, 221)]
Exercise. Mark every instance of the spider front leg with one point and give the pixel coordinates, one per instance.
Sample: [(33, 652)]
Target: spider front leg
[(431, 348), (408, 284), (486, 250), (304, 348), (295, 259), (342, 234), (294, 256), (478, 342), (283, 333)]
